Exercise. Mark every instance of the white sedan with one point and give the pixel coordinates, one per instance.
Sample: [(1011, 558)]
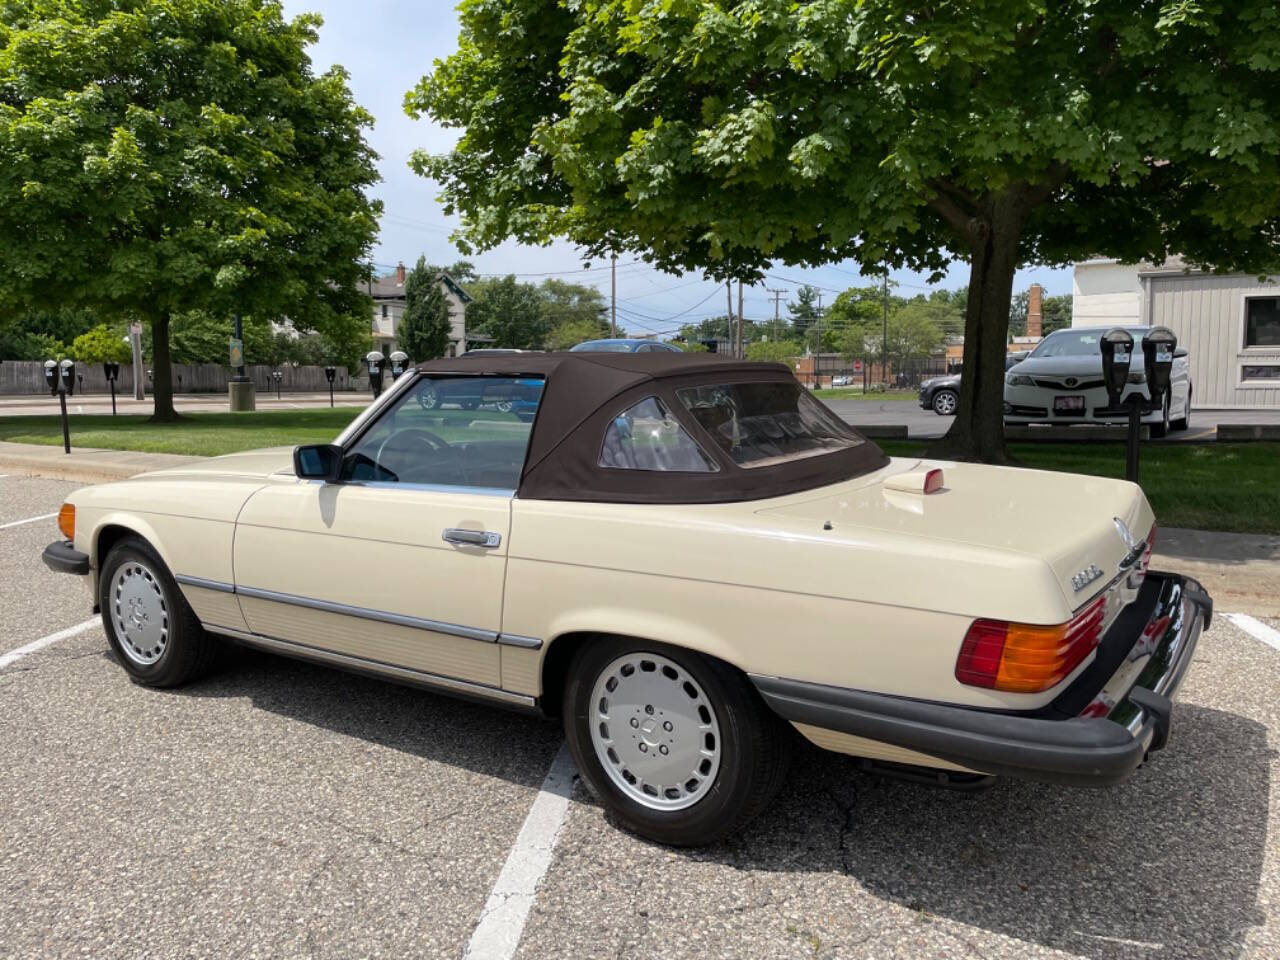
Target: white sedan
[(1061, 383)]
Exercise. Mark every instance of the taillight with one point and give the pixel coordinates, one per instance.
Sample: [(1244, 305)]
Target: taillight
[(67, 521), (1022, 658)]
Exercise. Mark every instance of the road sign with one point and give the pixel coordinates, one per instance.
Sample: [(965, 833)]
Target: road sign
[(237, 353)]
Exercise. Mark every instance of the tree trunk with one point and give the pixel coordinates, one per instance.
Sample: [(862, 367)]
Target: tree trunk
[(162, 371), (977, 433)]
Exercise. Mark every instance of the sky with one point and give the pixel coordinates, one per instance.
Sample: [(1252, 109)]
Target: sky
[(387, 45)]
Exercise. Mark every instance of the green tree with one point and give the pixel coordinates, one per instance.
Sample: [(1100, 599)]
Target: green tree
[(510, 312), (803, 311), (725, 137), (199, 336), (572, 332), (774, 351), (163, 156), (914, 333), (425, 327), (564, 302), (102, 344), (1056, 313)]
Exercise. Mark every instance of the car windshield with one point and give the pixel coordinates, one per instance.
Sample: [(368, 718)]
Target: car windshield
[(763, 424), (606, 346), (1078, 343)]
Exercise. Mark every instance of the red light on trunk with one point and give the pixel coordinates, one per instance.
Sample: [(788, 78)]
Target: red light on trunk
[(1023, 658)]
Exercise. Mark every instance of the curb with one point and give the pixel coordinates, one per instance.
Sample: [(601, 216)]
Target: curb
[(86, 466)]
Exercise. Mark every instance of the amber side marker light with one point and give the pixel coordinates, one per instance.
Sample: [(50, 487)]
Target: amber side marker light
[(67, 521), (1022, 658)]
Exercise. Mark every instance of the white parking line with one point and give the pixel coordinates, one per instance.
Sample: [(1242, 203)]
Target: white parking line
[(1252, 625), (502, 921), (15, 655), (18, 523)]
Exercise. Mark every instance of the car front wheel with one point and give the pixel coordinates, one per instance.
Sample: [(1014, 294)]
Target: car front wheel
[(148, 623), (945, 403), (679, 747)]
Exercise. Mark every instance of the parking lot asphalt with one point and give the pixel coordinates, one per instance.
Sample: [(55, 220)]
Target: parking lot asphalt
[(278, 809)]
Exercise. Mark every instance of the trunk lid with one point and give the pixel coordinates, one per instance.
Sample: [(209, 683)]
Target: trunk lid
[(1067, 520)]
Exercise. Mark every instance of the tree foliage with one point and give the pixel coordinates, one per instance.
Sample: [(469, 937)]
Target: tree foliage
[(102, 344), (425, 326), (705, 136), (508, 311), (164, 156), (774, 351)]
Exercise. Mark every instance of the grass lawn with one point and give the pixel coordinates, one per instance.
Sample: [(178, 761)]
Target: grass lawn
[(1213, 486), (1217, 486), (855, 393)]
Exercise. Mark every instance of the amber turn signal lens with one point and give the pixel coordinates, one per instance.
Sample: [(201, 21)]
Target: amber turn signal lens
[(1023, 658), (67, 521)]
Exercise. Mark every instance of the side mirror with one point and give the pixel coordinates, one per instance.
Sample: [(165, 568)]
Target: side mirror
[(1158, 348), (1117, 354), (318, 461)]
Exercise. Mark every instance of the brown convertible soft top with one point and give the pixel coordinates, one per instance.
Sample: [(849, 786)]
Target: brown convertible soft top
[(585, 391)]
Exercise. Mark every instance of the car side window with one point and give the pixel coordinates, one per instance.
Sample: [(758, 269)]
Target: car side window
[(450, 431), (646, 437)]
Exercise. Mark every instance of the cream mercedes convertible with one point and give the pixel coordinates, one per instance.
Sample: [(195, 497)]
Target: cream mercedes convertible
[(686, 557)]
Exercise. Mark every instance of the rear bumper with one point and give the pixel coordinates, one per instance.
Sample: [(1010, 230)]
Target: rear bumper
[(1154, 643), (61, 557)]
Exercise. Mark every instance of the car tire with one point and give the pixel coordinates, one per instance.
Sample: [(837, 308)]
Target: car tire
[(1161, 429), (148, 623), (945, 402), (627, 699), (1184, 421)]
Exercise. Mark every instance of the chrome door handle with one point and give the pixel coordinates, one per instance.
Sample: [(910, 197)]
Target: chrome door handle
[(471, 538)]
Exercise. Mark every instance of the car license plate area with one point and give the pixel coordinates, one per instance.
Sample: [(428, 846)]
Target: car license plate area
[(1069, 406)]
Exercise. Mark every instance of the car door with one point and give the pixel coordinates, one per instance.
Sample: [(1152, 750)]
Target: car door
[(401, 563)]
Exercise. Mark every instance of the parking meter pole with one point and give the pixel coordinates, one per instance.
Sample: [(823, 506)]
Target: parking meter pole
[(1134, 441), (66, 429), (113, 398), (331, 393)]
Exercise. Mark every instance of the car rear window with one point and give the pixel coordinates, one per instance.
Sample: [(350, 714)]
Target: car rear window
[(766, 423)]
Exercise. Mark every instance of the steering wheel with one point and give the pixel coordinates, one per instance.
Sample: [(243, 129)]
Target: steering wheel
[(403, 445)]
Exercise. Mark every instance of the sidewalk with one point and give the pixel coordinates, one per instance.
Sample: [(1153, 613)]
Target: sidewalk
[(41, 405), (82, 464), (1241, 571)]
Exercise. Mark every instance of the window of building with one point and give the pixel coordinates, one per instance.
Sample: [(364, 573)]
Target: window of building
[(384, 311), (646, 437), (1266, 372), (1262, 322)]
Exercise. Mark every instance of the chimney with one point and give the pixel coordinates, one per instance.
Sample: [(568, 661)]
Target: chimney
[(1035, 311), (400, 280)]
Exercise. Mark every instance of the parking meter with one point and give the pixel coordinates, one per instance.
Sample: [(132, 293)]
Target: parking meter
[(112, 371), (329, 373), (374, 359), (51, 376), (1117, 354), (276, 375), (1158, 348), (399, 363), (67, 373)]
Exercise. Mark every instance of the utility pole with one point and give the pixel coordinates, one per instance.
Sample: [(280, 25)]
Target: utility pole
[(613, 300), (777, 301), (742, 346), (817, 356), (728, 299), (884, 336)]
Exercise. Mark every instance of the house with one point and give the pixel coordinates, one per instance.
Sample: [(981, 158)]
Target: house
[(1229, 323), (388, 309)]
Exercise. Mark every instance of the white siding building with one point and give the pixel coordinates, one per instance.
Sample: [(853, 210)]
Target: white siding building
[(1229, 323), (388, 309)]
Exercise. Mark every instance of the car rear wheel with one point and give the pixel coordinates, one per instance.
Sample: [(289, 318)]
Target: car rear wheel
[(1184, 421), (148, 623), (679, 747), (945, 403), (1161, 428)]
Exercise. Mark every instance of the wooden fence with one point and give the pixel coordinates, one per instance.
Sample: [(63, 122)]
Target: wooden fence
[(27, 376)]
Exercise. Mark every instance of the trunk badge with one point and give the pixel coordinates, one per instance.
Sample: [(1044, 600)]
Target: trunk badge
[(1086, 576)]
